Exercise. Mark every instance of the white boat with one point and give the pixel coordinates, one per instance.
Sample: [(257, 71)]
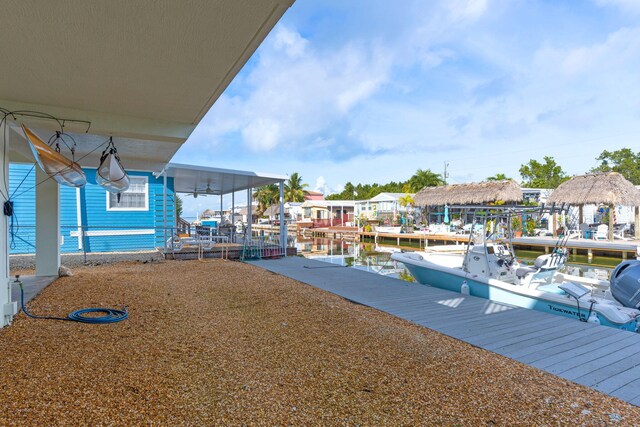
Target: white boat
[(110, 174), (387, 229), (54, 164), (490, 270), (386, 249)]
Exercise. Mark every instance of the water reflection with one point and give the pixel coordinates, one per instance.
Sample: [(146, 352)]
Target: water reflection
[(375, 259), (363, 256)]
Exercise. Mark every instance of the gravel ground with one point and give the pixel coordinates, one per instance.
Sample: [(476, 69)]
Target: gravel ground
[(224, 343), (27, 263)]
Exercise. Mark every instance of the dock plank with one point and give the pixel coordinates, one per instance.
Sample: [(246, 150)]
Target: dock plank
[(617, 363), (556, 346), (590, 356), (497, 322)]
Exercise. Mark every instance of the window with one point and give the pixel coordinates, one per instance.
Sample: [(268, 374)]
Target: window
[(136, 198)]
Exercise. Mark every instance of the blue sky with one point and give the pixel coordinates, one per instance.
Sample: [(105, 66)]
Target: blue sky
[(370, 91)]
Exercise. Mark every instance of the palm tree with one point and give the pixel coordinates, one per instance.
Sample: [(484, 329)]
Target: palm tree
[(498, 177), (266, 196), (405, 201), (294, 189), (422, 179)]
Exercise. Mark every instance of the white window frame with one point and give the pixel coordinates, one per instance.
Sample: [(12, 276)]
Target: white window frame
[(146, 199)]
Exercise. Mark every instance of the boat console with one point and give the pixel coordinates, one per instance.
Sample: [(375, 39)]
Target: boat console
[(491, 260)]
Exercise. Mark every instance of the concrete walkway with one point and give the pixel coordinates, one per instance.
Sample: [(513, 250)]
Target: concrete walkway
[(32, 286), (599, 357)]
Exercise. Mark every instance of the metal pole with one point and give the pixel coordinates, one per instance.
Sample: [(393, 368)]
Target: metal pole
[(164, 210), (249, 214), (233, 215), (612, 212), (331, 215), (446, 175), (221, 196), (283, 226), (636, 224)]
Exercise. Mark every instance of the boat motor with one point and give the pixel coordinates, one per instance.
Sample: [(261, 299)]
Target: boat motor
[(625, 283)]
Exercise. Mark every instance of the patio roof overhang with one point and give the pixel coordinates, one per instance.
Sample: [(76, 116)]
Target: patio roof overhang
[(216, 181), (144, 72)]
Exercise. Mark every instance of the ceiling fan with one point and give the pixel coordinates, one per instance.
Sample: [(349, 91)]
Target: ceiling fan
[(206, 191)]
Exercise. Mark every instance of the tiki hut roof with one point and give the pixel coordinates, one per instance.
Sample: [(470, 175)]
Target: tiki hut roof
[(609, 188), (470, 194), (272, 210)]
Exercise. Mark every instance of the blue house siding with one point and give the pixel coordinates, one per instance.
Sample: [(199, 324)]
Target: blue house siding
[(22, 179), (105, 230)]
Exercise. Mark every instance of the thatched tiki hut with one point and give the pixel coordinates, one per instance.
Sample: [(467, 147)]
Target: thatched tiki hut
[(609, 188), (474, 193)]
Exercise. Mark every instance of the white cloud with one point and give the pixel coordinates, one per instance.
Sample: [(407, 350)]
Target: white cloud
[(296, 92), (620, 49), (484, 85), (466, 9), (624, 5), (321, 184), (290, 42), (262, 134)]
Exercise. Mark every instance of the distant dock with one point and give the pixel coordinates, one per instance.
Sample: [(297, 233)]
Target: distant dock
[(623, 249)]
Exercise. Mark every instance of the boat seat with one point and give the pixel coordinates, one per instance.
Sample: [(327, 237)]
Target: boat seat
[(523, 271)]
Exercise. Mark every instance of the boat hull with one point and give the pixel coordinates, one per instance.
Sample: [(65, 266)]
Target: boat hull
[(452, 279), (391, 230), (54, 164)]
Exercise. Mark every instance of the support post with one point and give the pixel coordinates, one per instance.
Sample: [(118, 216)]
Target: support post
[(611, 215), (233, 216), (283, 226), (637, 223), (7, 308), (80, 229), (221, 214), (164, 210), (47, 225), (580, 215), (555, 225), (249, 215), (330, 216)]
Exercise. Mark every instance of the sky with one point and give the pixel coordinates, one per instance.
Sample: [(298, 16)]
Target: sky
[(368, 91)]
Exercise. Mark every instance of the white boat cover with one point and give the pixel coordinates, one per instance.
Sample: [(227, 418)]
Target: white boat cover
[(110, 174)]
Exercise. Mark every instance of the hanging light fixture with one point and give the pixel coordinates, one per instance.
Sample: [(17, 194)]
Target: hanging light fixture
[(62, 170), (110, 174)]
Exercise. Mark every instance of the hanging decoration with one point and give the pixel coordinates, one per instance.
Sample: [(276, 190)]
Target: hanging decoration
[(62, 170), (110, 174)]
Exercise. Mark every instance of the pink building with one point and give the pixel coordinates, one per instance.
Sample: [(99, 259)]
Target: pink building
[(314, 195)]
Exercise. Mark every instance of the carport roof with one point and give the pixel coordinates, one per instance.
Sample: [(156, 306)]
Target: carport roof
[(216, 181)]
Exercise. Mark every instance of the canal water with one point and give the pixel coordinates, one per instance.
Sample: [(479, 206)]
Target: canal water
[(377, 259)]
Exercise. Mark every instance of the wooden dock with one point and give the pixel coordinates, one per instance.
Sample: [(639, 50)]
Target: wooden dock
[(599, 357), (620, 248), (624, 249)]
